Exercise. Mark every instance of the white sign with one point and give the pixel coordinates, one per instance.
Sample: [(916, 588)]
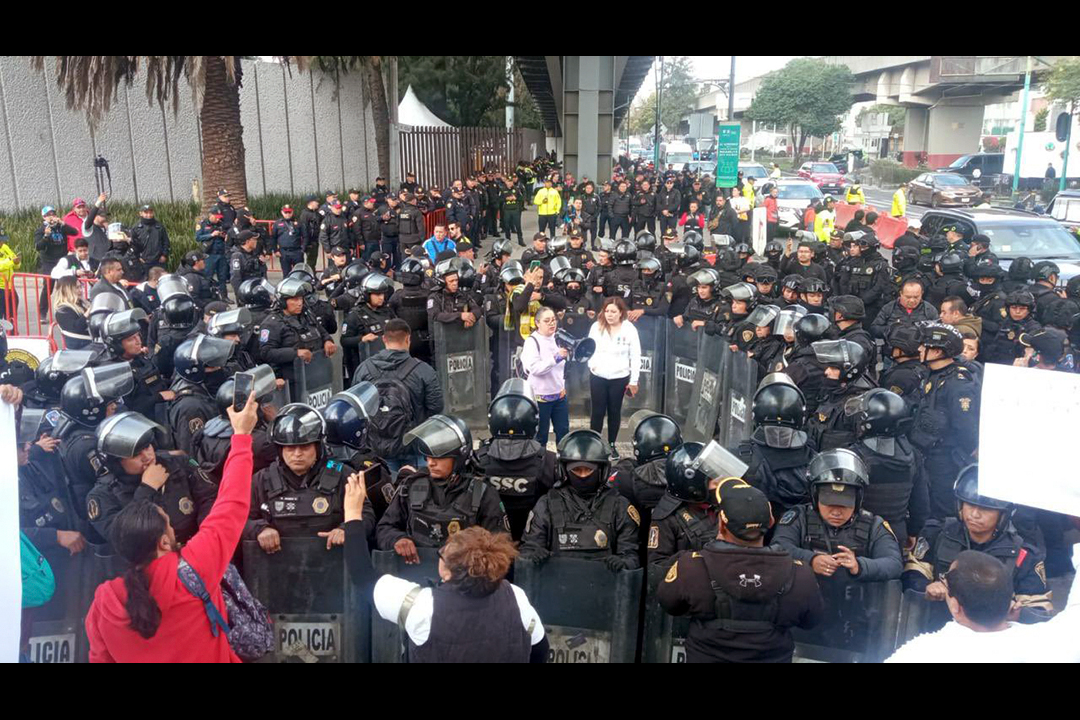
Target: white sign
[(305, 639), (319, 399), (685, 373), (462, 362), (10, 568), (646, 363), (1027, 430), (759, 226)]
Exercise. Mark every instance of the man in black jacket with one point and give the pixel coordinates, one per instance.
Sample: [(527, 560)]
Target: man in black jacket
[(151, 240), (668, 203), (411, 230), (365, 227), (286, 240), (619, 207), (50, 240), (334, 229), (310, 220), (645, 209), (95, 230), (225, 208), (909, 308)]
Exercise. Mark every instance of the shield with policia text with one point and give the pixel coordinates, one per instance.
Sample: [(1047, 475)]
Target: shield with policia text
[(652, 333), (315, 380), (709, 390), (680, 370), (461, 359)]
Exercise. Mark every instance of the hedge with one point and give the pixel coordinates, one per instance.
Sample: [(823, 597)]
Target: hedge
[(889, 172)]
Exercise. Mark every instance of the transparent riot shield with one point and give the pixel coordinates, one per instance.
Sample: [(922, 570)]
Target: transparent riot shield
[(664, 640), (860, 622), (389, 643), (590, 614), (318, 615), (461, 359), (680, 369), (652, 333), (57, 632), (314, 380), (710, 389), (916, 616), (735, 423)]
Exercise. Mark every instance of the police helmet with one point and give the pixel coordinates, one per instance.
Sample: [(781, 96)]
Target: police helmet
[(467, 275), (193, 356), (811, 327), (558, 265), (744, 291), (779, 401), (191, 258), (655, 435), (743, 249), (126, 434), (867, 239), (813, 285), (722, 241), (1046, 270), (986, 260), (375, 283), (119, 326), (303, 272), (572, 275), (355, 272), (905, 337), (705, 276), (934, 334), (293, 286), (171, 285), (1020, 298), (693, 238), (229, 322), (850, 307), (763, 315), (838, 477), (951, 263), (765, 274), (180, 312), (728, 260), (689, 257), (905, 257), (793, 282), (966, 490), (606, 244), (850, 357), (625, 253), (1020, 269), (774, 249), (686, 481), (442, 436), (55, 371), (348, 412), (85, 397), (511, 273), (297, 424), (256, 292), (879, 412), (411, 273), (787, 318), (646, 241), (585, 446), (513, 413), (501, 248), (264, 387), (651, 264)]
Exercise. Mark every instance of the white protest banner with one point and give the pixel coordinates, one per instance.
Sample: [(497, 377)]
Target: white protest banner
[(759, 229), (1027, 432), (10, 546)]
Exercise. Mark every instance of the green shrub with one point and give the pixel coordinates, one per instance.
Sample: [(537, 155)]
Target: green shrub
[(889, 172)]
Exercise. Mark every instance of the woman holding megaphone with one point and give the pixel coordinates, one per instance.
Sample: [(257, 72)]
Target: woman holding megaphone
[(544, 364)]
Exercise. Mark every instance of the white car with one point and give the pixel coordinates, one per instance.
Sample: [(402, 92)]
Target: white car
[(795, 196), (753, 170)]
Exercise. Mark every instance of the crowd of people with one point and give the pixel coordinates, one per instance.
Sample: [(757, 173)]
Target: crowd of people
[(862, 465)]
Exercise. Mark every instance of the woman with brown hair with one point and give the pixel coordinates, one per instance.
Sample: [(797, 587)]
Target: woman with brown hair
[(472, 615), (614, 367)]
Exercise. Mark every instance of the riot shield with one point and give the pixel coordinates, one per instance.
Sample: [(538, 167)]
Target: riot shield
[(353, 357), (578, 394), (916, 616), (736, 423), (318, 614), (314, 380), (461, 359), (652, 333), (590, 614), (680, 368), (389, 643), (506, 353), (860, 622), (710, 389), (664, 640), (57, 632)]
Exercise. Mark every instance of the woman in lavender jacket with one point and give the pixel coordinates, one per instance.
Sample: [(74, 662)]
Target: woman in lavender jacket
[(544, 362)]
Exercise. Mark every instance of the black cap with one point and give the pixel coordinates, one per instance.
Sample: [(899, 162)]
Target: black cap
[(146, 207), (244, 235), (338, 250), (222, 191), (464, 245), (838, 494), (311, 198), (1048, 342), (744, 509)]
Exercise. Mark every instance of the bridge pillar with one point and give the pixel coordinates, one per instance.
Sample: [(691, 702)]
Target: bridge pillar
[(943, 133), (588, 114)]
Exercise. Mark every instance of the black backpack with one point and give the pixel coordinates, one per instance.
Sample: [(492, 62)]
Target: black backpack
[(395, 416)]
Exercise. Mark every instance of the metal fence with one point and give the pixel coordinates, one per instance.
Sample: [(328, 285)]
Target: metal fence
[(440, 155)]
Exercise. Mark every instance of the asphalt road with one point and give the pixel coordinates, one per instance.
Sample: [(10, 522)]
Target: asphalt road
[(882, 199)]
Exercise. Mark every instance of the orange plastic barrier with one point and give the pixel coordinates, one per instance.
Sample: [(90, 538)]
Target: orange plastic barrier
[(845, 213), (21, 305), (888, 229)]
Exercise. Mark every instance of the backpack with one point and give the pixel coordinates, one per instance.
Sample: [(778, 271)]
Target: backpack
[(38, 583), (249, 630), (396, 415), (518, 366)]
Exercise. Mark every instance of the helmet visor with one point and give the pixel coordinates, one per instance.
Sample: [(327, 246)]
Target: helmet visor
[(30, 425), (837, 466), (126, 434), (763, 315), (70, 361), (172, 285), (109, 382), (230, 321), (107, 302), (439, 436), (833, 352), (516, 386), (785, 321), (362, 397), (716, 462), (212, 351)]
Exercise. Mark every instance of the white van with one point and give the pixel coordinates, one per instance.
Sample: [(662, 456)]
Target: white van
[(676, 154)]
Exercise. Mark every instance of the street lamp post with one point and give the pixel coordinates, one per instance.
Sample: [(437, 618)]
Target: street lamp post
[(1023, 122)]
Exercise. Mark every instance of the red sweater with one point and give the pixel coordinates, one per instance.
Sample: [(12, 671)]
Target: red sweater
[(76, 222), (184, 634)]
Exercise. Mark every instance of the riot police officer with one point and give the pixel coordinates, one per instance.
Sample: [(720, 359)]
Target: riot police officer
[(948, 280), (410, 304), (1004, 347), (897, 490), (449, 305), (864, 273), (704, 311), (642, 480), (620, 280), (648, 294), (193, 271), (301, 494), (133, 469), (990, 305), (803, 367), (512, 461), (579, 308), (779, 450), (287, 335), (346, 416), (985, 524), (1046, 275), (123, 336), (812, 294), (172, 322), (583, 517), (234, 326), (907, 375), (947, 422), (446, 496), (286, 240), (848, 313), (315, 308), (43, 392), (45, 513), (833, 533), (258, 297), (577, 254), (200, 370), (845, 364), (361, 332), (740, 300), (245, 263), (905, 263), (212, 442)]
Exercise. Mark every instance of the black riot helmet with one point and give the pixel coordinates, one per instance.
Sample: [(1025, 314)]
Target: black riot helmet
[(647, 241), (686, 481), (838, 477), (774, 249), (297, 424), (850, 357), (256, 292), (766, 274), (689, 257), (467, 276), (229, 322), (446, 268), (442, 436), (294, 286), (195, 354), (939, 335), (573, 275), (655, 435), (558, 265), (779, 402), (727, 260), (264, 387), (303, 272), (55, 371), (85, 398), (743, 249), (813, 285), (348, 412), (652, 265), (411, 273), (171, 285), (951, 263), (810, 328), (744, 291), (867, 239), (127, 434), (1020, 269), (693, 239), (792, 282), (1046, 270), (513, 413), (355, 272), (181, 312), (625, 253), (375, 283), (905, 257), (501, 248), (850, 307), (100, 308), (787, 318), (585, 446), (511, 273), (905, 337), (705, 276), (1020, 298), (966, 490), (119, 326), (879, 413)]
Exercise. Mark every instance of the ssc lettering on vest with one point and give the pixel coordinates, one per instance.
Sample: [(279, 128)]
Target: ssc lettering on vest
[(509, 484), (461, 362), (53, 648), (304, 639)]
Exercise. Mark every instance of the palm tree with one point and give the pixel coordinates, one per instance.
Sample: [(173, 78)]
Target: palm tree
[(89, 83)]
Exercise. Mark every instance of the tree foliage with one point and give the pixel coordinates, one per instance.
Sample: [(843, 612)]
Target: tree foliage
[(1063, 82), (809, 96), (679, 91), (897, 113), (461, 89)]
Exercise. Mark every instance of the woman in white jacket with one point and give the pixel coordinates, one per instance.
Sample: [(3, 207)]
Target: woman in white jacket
[(615, 366)]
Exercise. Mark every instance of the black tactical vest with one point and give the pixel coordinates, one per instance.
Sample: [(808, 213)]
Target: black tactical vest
[(589, 530), (517, 481), (892, 475), (855, 535), (694, 530), (306, 510), (953, 540), (429, 524)]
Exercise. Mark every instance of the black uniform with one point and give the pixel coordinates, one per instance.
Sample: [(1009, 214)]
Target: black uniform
[(202, 290), (829, 425), (906, 379), (287, 238), (149, 384), (212, 442), (334, 232), (282, 335), (363, 320), (677, 527), (151, 242), (446, 307), (186, 496), (602, 525), (429, 511), (650, 296), (803, 533), (897, 490), (44, 501), (777, 460), (410, 304), (867, 278), (243, 266), (522, 472), (944, 286)]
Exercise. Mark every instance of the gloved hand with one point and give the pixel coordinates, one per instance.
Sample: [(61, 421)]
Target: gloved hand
[(615, 563), (539, 556)]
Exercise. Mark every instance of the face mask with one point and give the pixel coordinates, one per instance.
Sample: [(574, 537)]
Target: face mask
[(573, 294), (587, 485), (214, 380)]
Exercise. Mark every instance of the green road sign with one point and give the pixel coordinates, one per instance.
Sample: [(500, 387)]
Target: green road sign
[(727, 155)]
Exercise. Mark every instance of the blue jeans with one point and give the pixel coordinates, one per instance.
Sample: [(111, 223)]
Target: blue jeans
[(218, 264), (556, 413)]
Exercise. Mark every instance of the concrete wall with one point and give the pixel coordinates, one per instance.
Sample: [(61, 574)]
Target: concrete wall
[(955, 130), (302, 132)]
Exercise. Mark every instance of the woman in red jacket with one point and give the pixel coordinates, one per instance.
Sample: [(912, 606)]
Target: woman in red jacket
[(147, 615)]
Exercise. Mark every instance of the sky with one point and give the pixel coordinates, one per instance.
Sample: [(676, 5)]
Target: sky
[(719, 66)]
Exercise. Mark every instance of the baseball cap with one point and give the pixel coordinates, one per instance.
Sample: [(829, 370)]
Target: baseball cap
[(744, 509), (463, 245), (147, 207), (48, 210), (245, 235), (213, 211), (286, 208), (222, 191), (336, 203), (311, 198), (410, 173), (408, 197), (1048, 342), (354, 191), (338, 250), (837, 494), (78, 202)]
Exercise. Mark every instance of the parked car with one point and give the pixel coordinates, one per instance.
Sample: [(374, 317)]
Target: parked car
[(795, 196), (1065, 208), (702, 167), (1013, 234), (979, 168), (825, 175), (938, 189), (753, 170)]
